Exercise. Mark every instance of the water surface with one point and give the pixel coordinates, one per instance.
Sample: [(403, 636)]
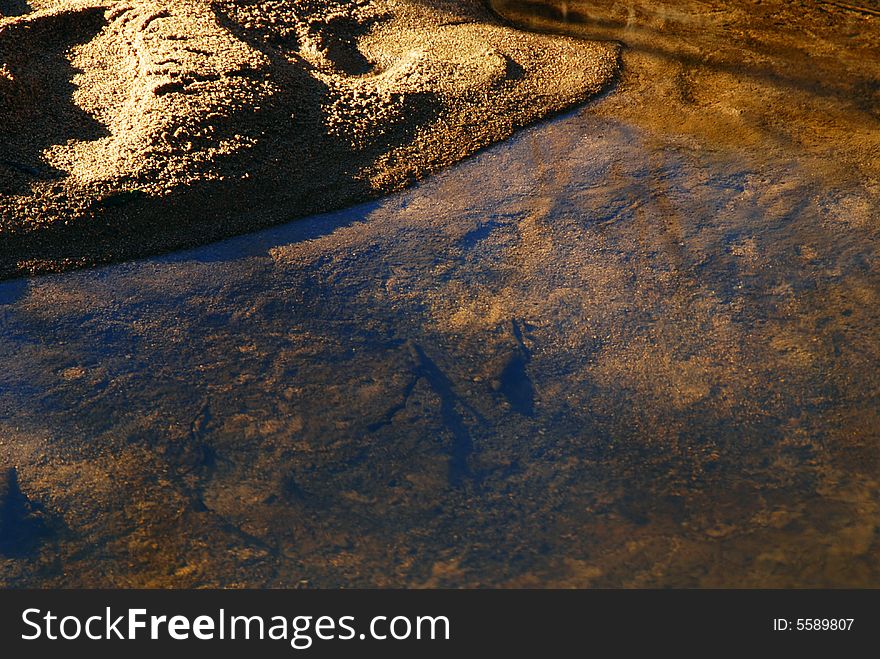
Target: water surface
[(634, 346)]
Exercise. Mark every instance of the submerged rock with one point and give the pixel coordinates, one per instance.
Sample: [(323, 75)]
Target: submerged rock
[(20, 524)]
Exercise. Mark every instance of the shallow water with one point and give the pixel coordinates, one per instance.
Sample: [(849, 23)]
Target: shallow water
[(634, 346)]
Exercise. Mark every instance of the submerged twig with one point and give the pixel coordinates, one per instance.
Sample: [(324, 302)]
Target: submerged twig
[(843, 5)]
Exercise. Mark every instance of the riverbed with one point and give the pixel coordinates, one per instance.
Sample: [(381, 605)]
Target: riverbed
[(634, 346)]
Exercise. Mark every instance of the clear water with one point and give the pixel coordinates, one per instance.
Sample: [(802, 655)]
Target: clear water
[(636, 345)]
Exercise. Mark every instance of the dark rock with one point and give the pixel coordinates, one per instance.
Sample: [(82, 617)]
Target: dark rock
[(21, 522)]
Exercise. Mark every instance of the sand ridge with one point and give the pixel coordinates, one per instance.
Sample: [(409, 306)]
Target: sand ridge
[(135, 127)]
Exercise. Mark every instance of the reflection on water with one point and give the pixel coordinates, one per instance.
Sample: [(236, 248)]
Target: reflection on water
[(636, 346)]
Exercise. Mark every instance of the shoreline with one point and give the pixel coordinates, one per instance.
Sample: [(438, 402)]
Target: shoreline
[(175, 124)]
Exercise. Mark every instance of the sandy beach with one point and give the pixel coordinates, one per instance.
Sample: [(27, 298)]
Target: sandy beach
[(133, 128)]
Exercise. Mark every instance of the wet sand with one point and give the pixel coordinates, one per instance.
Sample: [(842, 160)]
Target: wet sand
[(625, 348), (136, 127)]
